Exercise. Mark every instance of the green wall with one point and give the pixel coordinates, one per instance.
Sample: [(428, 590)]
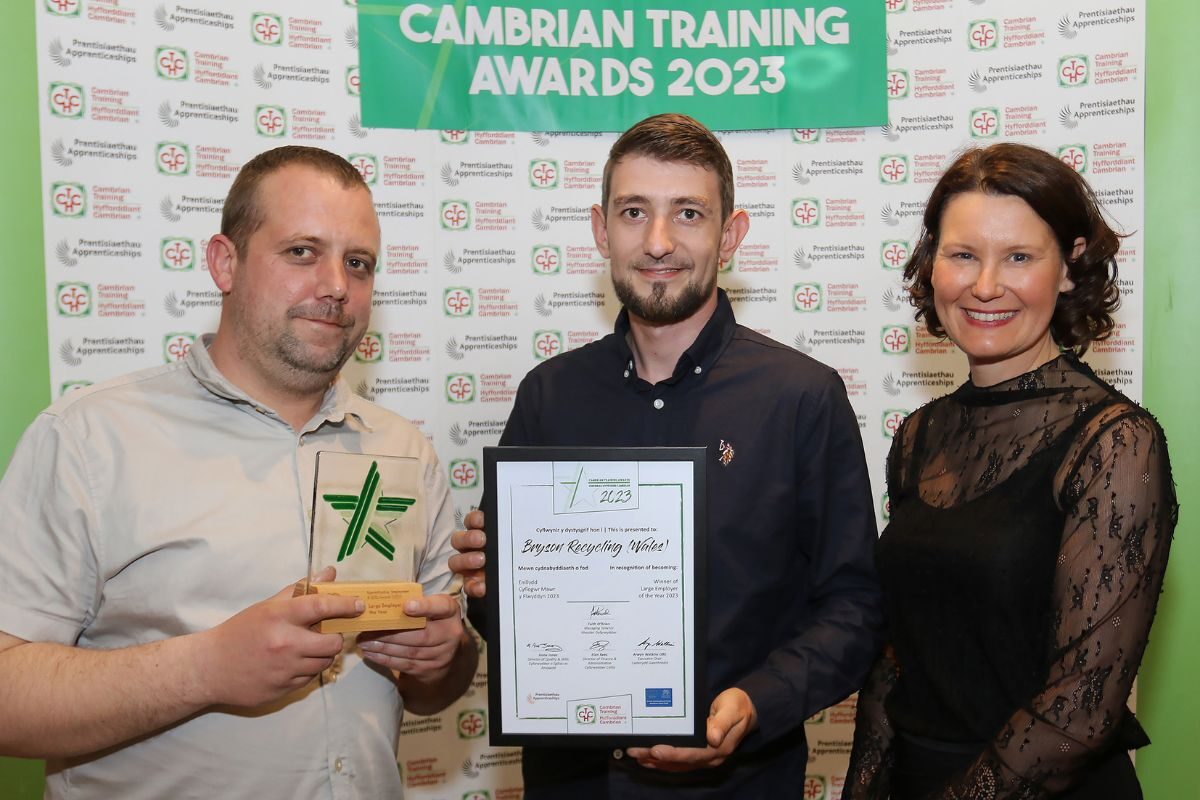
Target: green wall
[(1169, 697), (24, 387)]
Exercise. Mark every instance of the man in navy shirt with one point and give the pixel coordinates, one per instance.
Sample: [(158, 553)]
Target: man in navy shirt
[(794, 613)]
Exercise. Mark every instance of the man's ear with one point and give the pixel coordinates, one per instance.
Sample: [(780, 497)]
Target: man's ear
[(600, 229), (734, 231), (221, 256)]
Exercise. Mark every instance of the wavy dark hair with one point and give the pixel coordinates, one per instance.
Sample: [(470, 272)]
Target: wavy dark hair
[(1065, 202), (671, 138)]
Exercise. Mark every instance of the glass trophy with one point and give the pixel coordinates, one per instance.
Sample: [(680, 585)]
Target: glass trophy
[(367, 524)]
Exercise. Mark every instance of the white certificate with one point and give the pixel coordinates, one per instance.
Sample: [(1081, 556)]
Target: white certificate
[(593, 633)]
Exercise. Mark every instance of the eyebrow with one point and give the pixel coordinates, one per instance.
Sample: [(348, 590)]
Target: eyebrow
[(640, 199), (1020, 245)]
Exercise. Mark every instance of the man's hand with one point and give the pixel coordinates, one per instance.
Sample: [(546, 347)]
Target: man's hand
[(426, 653), (730, 718), (434, 665), (269, 649), (470, 559)]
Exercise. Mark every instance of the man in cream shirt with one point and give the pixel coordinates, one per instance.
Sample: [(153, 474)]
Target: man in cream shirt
[(150, 642)]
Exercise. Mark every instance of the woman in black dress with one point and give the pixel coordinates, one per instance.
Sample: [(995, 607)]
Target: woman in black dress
[(1031, 511)]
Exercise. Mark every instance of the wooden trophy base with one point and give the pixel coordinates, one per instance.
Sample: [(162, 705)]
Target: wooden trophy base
[(384, 601)]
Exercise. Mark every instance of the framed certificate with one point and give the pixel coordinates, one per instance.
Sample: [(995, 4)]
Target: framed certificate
[(596, 575)]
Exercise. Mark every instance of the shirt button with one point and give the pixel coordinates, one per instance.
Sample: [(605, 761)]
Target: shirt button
[(659, 403), (337, 766), (626, 373), (698, 370), (618, 753)]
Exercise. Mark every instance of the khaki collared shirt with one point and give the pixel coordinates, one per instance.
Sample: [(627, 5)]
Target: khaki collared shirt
[(164, 502)]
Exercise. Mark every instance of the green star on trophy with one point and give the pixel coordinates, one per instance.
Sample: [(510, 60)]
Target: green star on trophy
[(365, 524)]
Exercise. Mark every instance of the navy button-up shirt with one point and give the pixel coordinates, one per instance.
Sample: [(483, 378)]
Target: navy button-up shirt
[(793, 604)]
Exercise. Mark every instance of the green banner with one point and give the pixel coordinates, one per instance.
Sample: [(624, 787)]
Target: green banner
[(599, 65)]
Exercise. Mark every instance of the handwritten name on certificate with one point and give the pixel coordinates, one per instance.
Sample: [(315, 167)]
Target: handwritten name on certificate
[(596, 598)]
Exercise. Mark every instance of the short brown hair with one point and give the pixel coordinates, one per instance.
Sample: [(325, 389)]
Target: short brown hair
[(1064, 201), (673, 138), (242, 214)]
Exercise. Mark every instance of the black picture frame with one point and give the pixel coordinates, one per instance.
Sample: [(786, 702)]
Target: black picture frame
[(497, 649)]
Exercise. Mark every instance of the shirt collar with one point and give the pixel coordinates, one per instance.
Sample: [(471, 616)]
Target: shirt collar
[(712, 340), (338, 403)]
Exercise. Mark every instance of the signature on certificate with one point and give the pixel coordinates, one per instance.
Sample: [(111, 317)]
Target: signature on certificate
[(545, 647), (648, 643), (601, 611)]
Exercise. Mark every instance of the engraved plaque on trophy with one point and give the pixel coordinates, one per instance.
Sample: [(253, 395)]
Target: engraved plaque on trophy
[(366, 523)]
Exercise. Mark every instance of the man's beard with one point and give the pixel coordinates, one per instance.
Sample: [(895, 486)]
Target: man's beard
[(299, 357), (657, 308), (288, 361)]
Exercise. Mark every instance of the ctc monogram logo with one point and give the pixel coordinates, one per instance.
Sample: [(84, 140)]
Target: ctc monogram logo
[(546, 260), (366, 167), (177, 345), (172, 159), (893, 169), (370, 348), (267, 29), (471, 724), (177, 254), (353, 81), (455, 215), (806, 212), (460, 388), (585, 715), (74, 299), (984, 35), (458, 302), (891, 421), (68, 199), (172, 63), (454, 137), (546, 344), (1074, 156), (1073, 70), (464, 474), (985, 122), (814, 788), (270, 121), (894, 254), (897, 83), (806, 134), (66, 100), (895, 339), (543, 174), (807, 297), (63, 8)]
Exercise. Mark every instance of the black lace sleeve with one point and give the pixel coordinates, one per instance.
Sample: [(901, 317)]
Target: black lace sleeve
[(869, 775), (1121, 511)]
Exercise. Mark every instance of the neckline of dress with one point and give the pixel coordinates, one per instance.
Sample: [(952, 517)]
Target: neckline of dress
[(1026, 386)]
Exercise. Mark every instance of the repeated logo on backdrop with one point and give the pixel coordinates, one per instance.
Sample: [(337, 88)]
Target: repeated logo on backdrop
[(487, 265)]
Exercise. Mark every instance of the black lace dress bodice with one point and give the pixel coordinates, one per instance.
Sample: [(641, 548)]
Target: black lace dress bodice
[(1030, 527)]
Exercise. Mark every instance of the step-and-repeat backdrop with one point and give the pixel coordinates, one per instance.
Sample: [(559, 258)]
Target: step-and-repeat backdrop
[(148, 109)]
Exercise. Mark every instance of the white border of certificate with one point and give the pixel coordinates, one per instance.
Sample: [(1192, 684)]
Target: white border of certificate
[(595, 578)]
